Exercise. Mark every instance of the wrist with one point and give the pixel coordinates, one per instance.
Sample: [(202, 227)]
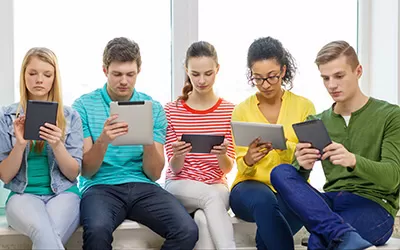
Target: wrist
[(354, 161), (247, 164)]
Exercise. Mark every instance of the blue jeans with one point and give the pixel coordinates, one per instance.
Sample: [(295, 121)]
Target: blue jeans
[(105, 207), (254, 201), (48, 220), (327, 216)]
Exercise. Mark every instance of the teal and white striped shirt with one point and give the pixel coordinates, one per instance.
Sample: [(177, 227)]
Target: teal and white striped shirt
[(121, 164)]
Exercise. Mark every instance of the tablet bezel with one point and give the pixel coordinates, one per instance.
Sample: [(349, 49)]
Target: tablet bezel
[(249, 131), (314, 132), (197, 141), (139, 116), (36, 117)]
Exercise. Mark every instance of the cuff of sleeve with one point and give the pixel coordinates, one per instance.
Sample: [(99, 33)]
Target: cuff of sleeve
[(247, 170)]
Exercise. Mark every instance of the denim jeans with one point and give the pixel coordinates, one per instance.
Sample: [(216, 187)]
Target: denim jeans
[(48, 220), (327, 216), (105, 207), (254, 201)]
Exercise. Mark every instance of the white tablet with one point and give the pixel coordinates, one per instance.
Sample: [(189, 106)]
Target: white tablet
[(246, 132), (139, 116)]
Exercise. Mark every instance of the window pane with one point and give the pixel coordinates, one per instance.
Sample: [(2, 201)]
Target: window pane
[(303, 27), (77, 31)]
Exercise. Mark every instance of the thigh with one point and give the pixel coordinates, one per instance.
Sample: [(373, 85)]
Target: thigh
[(158, 209), (103, 206), (223, 192), (369, 218), (63, 210), (27, 213), (247, 196), (192, 194)]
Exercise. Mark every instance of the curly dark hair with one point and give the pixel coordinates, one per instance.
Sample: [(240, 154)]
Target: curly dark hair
[(266, 48)]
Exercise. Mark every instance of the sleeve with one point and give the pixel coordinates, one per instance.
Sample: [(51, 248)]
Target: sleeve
[(5, 140), (171, 135), (160, 123), (386, 172), (80, 108), (74, 140), (243, 169), (288, 154), (231, 148)]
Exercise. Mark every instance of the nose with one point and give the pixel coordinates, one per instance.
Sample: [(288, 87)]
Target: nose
[(124, 79), (332, 84), (202, 79), (39, 78)]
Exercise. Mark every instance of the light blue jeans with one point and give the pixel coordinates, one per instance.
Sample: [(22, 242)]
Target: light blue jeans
[(48, 220)]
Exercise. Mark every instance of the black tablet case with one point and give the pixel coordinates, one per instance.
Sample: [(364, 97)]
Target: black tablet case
[(37, 114), (314, 132), (202, 143)]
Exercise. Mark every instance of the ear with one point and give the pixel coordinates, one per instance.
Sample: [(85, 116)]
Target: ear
[(283, 71), (138, 70), (105, 70), (359, 71), (217, 69), (186, 70)]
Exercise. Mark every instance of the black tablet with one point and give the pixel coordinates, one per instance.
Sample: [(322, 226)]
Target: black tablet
[(203, 143), (37, 114), (314, 132)]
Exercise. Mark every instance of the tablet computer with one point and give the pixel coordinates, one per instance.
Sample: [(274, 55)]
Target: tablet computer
[(37, 114), (314, 132), (139, 116), (246, 132), (202, 143)]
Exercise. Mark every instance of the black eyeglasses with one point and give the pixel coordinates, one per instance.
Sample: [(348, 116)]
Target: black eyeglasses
[(259, 81)]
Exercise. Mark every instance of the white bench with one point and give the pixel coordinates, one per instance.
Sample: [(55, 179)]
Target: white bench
[(132, 235)]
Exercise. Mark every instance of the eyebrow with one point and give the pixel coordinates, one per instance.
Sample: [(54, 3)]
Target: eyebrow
[(118, 72), (268, 74), (208, 71), (335, 74), (47, 71)]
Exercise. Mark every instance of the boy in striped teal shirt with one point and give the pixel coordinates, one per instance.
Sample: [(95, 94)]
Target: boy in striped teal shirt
[(361, 166), (118, 182)]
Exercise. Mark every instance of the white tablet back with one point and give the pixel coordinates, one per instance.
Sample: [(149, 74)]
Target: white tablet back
[(139, 116), (246, 132)]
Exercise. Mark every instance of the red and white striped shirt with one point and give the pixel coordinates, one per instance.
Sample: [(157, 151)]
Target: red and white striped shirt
[(184, 120)]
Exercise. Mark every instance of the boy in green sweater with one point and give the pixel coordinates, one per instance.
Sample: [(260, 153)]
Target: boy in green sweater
[(362, 165)]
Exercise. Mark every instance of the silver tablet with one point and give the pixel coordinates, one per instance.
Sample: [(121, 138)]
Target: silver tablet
[(139, 116), (246, 132)]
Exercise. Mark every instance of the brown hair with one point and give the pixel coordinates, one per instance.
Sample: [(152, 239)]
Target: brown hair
[(55, 93), (334, 50), (197, 49), (121, 49)]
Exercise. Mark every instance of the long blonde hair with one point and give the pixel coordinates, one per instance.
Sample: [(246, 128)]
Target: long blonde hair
[(55, 93)]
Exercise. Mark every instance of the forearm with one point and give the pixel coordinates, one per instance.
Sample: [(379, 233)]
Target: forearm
[(10, 166), (384, 174), (225, 163), (68, 165), (93, 159), (153, 162), (176, 163)]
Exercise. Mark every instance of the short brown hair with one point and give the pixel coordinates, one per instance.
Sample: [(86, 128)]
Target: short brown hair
[(121, 49), (334, 50)]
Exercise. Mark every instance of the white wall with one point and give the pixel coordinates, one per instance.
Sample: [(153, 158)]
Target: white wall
[(379, 48), (6, 53)]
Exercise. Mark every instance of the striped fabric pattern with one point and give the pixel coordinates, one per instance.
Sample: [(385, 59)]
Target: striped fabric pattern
[(184, 120)]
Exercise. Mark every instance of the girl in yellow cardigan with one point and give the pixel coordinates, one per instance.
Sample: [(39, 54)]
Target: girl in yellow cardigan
[(271, 70)]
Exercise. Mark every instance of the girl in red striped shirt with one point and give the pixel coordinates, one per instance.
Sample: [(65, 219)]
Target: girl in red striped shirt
[(198, 179)]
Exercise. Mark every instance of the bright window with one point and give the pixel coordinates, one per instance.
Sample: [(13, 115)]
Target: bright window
[(77, 31)]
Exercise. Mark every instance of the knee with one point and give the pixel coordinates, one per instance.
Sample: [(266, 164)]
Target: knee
[(188, 234), (200, 218), (282, 172), (97, 229)]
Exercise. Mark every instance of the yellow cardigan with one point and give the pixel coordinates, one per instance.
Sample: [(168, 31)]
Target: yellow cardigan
[(294, 109)]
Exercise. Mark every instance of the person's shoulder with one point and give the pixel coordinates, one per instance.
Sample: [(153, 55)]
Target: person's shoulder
[(227, 103), (300, 99), (70, 112), (385, 108), (89, 97), (247, 103)]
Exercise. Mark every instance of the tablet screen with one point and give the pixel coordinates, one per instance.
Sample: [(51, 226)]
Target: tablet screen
[(37, 114), (314, 132), (203, 143)]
